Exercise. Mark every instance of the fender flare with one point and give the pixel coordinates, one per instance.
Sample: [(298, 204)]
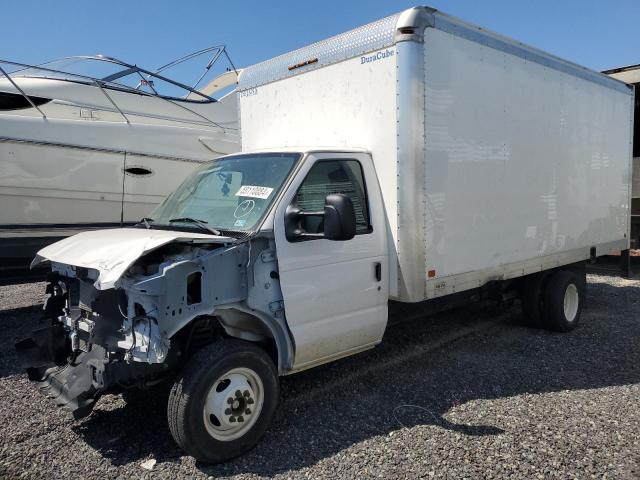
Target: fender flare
[(279, 332)]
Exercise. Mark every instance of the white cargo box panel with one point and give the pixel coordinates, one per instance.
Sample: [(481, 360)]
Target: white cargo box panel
[(494, 159)]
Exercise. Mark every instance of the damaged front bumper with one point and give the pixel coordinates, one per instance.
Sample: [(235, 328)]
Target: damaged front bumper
[(80, 355), (139, 330), (75, 381)]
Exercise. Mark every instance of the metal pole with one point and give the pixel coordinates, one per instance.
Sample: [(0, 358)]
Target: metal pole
[(625, 263), (207, 68), (195, 113), (124, 175), (229, 60), (111, 100), (22, 92)]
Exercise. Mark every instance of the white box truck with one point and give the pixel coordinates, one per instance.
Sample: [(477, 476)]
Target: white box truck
[(416, 159)]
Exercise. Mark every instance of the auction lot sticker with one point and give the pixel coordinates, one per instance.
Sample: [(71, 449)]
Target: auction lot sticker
[(254, 192)]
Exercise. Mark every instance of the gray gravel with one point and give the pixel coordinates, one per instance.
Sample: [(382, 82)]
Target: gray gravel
[(465, 394)]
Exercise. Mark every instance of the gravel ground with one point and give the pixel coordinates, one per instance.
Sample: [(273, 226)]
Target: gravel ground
[(464, 394)]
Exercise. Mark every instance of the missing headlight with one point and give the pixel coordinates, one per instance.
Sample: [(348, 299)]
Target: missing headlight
[(194, 288)]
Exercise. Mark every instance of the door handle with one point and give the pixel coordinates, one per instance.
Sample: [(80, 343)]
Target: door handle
[(378, 271)]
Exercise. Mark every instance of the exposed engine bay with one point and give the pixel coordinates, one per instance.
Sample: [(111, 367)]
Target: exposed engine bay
[(166, 305)]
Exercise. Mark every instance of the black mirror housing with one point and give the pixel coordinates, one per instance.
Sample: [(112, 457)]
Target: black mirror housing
[(339, 217)]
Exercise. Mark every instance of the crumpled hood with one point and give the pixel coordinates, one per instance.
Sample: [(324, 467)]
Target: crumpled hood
[(111, 252)]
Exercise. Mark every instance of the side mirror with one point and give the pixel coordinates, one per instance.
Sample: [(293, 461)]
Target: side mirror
[(338, 216)]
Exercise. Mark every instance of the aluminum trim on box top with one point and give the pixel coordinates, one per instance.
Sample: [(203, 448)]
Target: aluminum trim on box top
[(362, 40), (476, 34), (383, 33)]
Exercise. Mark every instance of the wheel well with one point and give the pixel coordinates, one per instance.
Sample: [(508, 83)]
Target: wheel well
[(246, 326), (578, 268), (204, 330)]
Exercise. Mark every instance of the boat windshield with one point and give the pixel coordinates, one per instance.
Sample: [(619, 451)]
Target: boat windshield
[(116, 74), (231, 193), (73, 68)]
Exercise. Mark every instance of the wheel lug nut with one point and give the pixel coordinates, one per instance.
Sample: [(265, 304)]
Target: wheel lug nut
[(247, 411), (246, 393), (227, 411), (250, 401), (229, 400), (232, 419), (241, 418), (238, 393)]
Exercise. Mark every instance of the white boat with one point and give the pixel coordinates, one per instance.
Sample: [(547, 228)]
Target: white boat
[(92, 142)]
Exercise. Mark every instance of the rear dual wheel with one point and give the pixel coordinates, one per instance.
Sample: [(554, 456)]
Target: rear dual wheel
[(554, 300), (563, 298)]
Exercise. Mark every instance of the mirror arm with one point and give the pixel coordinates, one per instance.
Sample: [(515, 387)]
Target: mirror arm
[(294, 232), (309, 236)]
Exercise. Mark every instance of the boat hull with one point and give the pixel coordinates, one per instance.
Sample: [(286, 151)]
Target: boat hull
[(78, 167)]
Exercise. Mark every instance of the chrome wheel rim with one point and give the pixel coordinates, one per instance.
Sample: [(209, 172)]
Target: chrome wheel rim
[(571, 302), (233, 404)]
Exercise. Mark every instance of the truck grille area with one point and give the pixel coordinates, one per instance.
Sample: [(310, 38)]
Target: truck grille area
[(76, 358), (78, 383)]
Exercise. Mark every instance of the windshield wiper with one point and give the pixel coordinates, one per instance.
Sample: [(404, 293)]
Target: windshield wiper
[(146, 222), (201, 223)]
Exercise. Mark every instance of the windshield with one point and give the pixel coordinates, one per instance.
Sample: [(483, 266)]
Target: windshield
[(73, 68), (113, 74), (119, 75), (230, 193)]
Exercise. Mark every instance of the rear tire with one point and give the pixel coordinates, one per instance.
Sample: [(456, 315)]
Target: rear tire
[(223, 401), (564, 295)]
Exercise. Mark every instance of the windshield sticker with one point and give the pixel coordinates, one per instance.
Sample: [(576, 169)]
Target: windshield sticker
[(244, 208), (254, 192), (240, 223)]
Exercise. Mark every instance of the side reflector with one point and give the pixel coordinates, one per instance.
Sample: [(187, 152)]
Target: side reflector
[(431, 273), (303, 64)]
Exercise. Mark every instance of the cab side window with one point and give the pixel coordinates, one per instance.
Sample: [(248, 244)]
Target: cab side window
[(333, 176)]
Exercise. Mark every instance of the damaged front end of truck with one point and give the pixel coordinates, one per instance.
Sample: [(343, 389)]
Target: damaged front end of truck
[(133, 314)]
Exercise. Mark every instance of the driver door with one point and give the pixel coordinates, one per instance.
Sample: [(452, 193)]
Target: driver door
[(335, 292)]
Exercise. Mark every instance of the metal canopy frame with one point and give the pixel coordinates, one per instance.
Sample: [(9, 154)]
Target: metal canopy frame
[(109, 82)]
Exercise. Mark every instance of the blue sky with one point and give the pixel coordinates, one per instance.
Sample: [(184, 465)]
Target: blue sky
[(596, 34)]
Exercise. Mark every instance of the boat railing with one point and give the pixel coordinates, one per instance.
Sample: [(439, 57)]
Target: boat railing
[(104, 85), (17, 87)]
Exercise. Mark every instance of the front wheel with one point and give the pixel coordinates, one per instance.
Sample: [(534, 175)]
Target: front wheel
[(223, 400)]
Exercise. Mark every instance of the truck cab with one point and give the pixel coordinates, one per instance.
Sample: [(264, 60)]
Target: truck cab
[(314, 267)]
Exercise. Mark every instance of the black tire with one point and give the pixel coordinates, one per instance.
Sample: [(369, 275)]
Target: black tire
[(185, 410), (555, 316), (532, 296)]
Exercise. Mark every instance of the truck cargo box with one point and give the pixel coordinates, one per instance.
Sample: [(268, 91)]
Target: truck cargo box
[(494, 159)]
